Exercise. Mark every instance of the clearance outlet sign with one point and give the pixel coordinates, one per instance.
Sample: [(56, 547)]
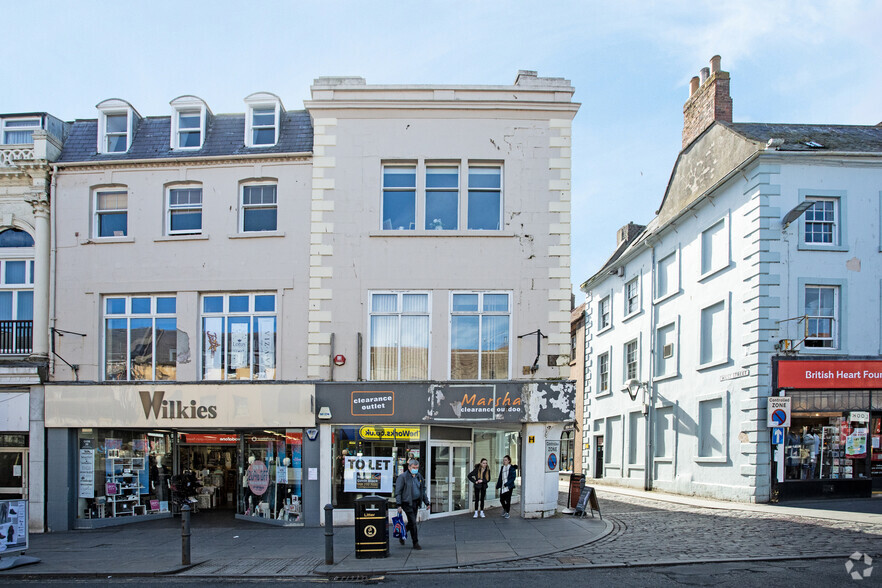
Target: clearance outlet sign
[(830, 374)]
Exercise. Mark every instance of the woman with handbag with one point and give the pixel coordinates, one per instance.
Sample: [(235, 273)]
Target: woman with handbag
[(480, 478), (506, 483)]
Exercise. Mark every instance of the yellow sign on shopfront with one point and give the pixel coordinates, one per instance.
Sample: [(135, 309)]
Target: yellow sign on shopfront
[(372, 433)]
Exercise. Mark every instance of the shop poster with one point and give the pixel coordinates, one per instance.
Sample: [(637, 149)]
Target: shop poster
[(257, 478), (13, 525), (86, 485), (281, 474), (367, 474), (856, 444)]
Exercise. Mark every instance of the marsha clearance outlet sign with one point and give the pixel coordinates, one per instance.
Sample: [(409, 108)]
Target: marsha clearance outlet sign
[(830, 374)]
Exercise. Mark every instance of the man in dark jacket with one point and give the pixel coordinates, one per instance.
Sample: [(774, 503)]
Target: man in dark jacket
[(410, 495)]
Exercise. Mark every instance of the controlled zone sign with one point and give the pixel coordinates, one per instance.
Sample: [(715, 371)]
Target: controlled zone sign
[(779, 411)]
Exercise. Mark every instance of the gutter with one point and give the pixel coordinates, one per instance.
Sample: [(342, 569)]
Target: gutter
[(53, 260)]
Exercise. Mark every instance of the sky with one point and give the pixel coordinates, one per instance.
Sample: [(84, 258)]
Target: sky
[(630, 62)]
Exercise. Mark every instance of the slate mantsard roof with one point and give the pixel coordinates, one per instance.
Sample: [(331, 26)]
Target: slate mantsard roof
[(225, 136), (817, 139)]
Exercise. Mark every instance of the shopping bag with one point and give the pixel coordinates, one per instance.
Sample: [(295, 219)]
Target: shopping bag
[(399, 529)]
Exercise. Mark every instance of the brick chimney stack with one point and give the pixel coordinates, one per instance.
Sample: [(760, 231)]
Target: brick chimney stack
[(708, 101), (628, 232)]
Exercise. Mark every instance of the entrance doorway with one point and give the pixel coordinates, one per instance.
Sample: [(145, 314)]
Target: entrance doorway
[(211, 462), (598, 456), (448, 477), (13, 473)]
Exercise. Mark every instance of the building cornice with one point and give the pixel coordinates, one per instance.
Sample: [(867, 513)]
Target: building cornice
[(166, 162), (442, 105)]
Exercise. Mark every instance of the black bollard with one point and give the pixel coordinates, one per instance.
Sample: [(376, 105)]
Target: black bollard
[(329, 534), (185, 535)]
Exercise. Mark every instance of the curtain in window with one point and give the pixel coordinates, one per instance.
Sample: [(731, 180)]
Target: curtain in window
[(414, 347), (464, 348), (384, 346), (494, 347), (19, 137)]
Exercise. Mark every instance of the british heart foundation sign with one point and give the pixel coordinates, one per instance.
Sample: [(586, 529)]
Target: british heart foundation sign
[(830, 375)]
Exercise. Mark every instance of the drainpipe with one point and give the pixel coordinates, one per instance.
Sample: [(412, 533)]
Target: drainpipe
[(53, 247), (650, 392)]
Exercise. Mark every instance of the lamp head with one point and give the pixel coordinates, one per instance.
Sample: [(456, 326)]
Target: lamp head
[(632, 387)]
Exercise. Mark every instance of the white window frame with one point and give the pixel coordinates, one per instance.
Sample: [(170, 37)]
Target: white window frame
[(604, 303), (727, 321), (834, 319), (626, 364), (480, 313), (96, 214), (170, 209), (399, 313), (226, 314), (243, 207), (839, 236), (706, 249), (723, 397), (600, 390), (115, 107), (421, 224), (188, 105), (638, 306), (265, 102), (674, 288), (5, 128), (128, 315)]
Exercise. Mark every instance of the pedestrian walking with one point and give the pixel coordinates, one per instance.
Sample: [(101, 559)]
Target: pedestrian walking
[(410, 495), (480, 478), (506, 483)]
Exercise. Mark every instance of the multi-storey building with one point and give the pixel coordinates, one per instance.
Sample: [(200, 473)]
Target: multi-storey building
[(758, 277), (291, 303), (29, 143)]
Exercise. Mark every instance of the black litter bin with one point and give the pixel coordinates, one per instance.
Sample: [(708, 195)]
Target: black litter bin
[(371, 527)]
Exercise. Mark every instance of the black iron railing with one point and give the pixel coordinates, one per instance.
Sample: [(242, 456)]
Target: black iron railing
[(16, 337)]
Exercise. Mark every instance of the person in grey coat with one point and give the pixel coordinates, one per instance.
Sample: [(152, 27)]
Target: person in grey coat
[(410, 495)]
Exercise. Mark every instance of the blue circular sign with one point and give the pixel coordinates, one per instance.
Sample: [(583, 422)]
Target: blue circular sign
[(779, 417), (552, 461)]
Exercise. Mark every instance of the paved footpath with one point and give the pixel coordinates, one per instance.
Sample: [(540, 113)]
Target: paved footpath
[(638, 529)]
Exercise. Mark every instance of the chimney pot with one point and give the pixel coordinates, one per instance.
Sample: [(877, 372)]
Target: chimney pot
[(704, 74), (715, 64), (693, 85)]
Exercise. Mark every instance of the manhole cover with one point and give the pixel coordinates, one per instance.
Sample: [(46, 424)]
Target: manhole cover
[(356, 578)]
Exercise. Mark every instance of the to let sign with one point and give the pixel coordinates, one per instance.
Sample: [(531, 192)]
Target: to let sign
[(779, 411)]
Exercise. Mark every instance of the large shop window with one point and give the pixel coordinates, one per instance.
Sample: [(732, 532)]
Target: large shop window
[(493, 445), (830, 438), (140, 338), (479, 336), (239, 337), (123, 473), (272, 486), (368, 459), (399, 336)]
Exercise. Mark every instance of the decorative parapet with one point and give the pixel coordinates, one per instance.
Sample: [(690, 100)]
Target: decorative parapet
[(9, 154)]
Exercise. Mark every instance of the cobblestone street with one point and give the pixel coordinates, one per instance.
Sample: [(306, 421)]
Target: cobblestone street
[(651, 532)]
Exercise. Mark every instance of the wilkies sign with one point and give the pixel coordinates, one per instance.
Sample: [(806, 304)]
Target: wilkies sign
[(830, 374), (414, 403)]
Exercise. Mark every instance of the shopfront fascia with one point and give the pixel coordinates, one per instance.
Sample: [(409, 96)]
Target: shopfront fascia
[(372, 429), (119, 453), (833, 447)]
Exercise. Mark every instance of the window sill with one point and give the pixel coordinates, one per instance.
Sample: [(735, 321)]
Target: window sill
[(628, 317), (185, 237), (257, 235), (711, 273), (603, 394), (715, 459), (813, 247), (665, 377), (663, 459), (424, 233), (604, 329), (823, 350), (712, 364), (103, 240)]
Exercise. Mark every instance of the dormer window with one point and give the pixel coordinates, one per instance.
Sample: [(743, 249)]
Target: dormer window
[(116, 126), (19, 131), (262, 120), (189, 121)]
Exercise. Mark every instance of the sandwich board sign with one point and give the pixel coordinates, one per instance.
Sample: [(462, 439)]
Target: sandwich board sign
[(779, 411)]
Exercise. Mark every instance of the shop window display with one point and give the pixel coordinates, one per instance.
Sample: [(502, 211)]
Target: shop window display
[(368, 459), (493, 445), (827, 446), (272, 478), (123, 473)]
